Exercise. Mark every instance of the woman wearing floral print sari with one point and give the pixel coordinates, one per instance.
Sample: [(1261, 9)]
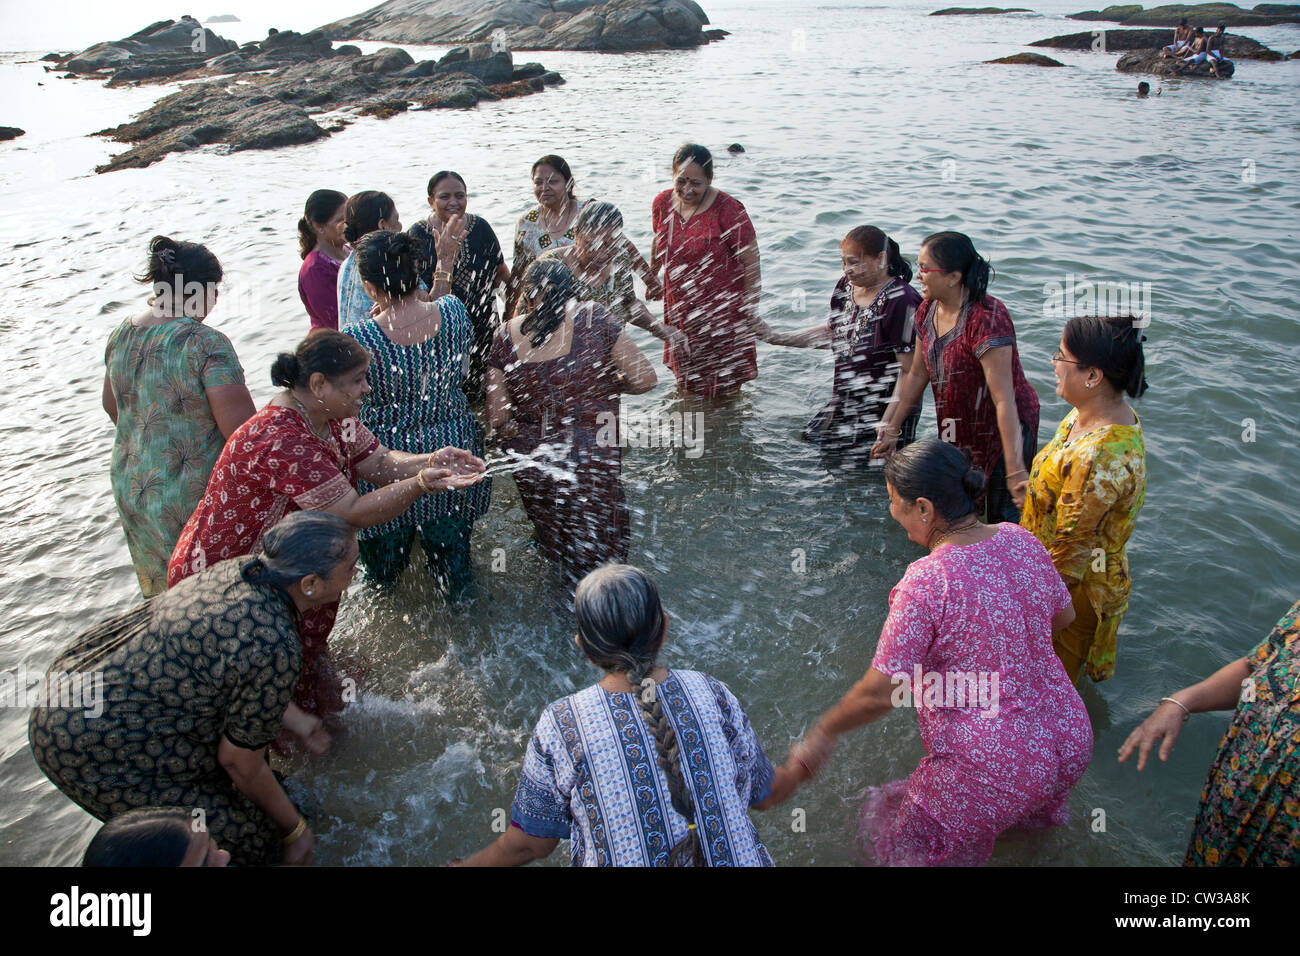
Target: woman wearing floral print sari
[(1250, 808), (1087, 485)]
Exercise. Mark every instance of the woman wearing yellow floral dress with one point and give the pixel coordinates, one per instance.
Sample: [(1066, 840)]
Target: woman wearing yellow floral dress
[(1250, 808), (1087, 485)]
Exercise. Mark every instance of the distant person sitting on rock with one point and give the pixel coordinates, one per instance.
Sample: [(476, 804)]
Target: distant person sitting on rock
[(1214, 49), (1194, 50), (1182, 39), (1143, 89)]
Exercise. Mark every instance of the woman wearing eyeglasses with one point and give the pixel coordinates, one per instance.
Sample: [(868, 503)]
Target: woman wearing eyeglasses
[(1087, 486)]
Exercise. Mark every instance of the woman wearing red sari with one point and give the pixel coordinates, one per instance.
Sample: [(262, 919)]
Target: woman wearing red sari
[(305, 451), (712, 282)]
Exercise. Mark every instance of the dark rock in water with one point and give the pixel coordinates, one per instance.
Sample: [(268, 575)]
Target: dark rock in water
[(1294, 56), (1150, 61), (275, 109), (11, 132), (978, 11), (55, 57), (177, 39), (527, 71), (348, 49), (1117, 41), (606, 25), (1265, 14), (711, 35), (1027, 59), (551, 78), (735, 148)]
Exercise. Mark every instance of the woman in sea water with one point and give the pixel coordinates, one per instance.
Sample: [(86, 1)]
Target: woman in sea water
[(1249, 814), (647, 767), (554, 379), (551, 224), (872, 329), (321, 246), (175, 392), (1088, 484), (305, 450), (417, 404), (367, 212), (602, 271), (196, 685), (968, 642), (477, 270), (982, 400)]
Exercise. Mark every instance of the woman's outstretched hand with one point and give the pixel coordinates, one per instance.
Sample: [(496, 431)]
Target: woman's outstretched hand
[(1164, 724)]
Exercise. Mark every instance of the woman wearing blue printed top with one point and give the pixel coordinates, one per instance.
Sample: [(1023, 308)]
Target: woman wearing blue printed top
[(649, 767), (416, 404)]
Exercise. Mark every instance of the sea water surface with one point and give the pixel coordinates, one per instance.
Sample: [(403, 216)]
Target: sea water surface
[(776, 574)]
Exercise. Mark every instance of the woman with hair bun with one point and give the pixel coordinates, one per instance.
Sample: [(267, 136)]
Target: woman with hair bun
[(982, 400), (872, 328), (321, 248), (968, 642), (1088, 485), (175, 391), (306, 450), (198, 682), (416, 401), (554, 377), (648, 767)]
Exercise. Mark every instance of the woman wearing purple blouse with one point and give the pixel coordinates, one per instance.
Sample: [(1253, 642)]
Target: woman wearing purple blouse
[(320, 243), (871, 329)]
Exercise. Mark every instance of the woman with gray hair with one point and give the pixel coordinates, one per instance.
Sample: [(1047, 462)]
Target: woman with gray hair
[(648, 767), (180, 697), (602, 272)]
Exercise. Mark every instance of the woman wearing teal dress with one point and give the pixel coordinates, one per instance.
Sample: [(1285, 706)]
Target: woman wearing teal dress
[(416, 404), (175, 391)]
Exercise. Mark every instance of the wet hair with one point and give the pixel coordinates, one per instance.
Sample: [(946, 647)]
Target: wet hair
[(694, 153), (873, 241), (364, 210), (558, 164), (145, 836), (621, 628), (303, 543), (439, 176), (1200, 31), (596, 216), (549, 285), (1223, 26), (320, 209), (387, 260), (1144, 87), (170, 260), (933, 469), (954, 252), (1113, 346), (327, 351)]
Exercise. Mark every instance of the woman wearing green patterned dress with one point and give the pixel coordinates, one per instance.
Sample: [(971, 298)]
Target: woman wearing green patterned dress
[(1250, 808), (175, 391), (416, 404), (181, 696)]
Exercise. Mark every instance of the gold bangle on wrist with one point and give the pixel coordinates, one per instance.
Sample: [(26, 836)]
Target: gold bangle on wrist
[(419, 480), (441, 275), (296, 834), (1173, 700)]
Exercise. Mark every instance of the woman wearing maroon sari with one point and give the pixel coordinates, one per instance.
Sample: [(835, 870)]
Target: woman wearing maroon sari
[(982, 400), (554, 376), (712, 282), (305, 451)]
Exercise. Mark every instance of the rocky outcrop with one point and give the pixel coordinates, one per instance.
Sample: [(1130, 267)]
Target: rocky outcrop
[(605, 25), (978, 11), (11, 132), (1150, 61), (1117, 41), (1200, 14), (185, 39), (269, 110), (1027, 59)]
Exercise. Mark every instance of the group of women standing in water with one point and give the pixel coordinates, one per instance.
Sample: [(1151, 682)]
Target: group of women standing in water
[(246, 528)]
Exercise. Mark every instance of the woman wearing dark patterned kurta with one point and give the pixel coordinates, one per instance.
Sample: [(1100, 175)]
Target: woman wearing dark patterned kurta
[(1250, 808), (175, 391), (554, 376), (195, 685), (416, 405), (476, 273), (982, 400)]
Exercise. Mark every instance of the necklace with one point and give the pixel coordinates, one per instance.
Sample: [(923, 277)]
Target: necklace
[(310, 424), (934, 543)]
